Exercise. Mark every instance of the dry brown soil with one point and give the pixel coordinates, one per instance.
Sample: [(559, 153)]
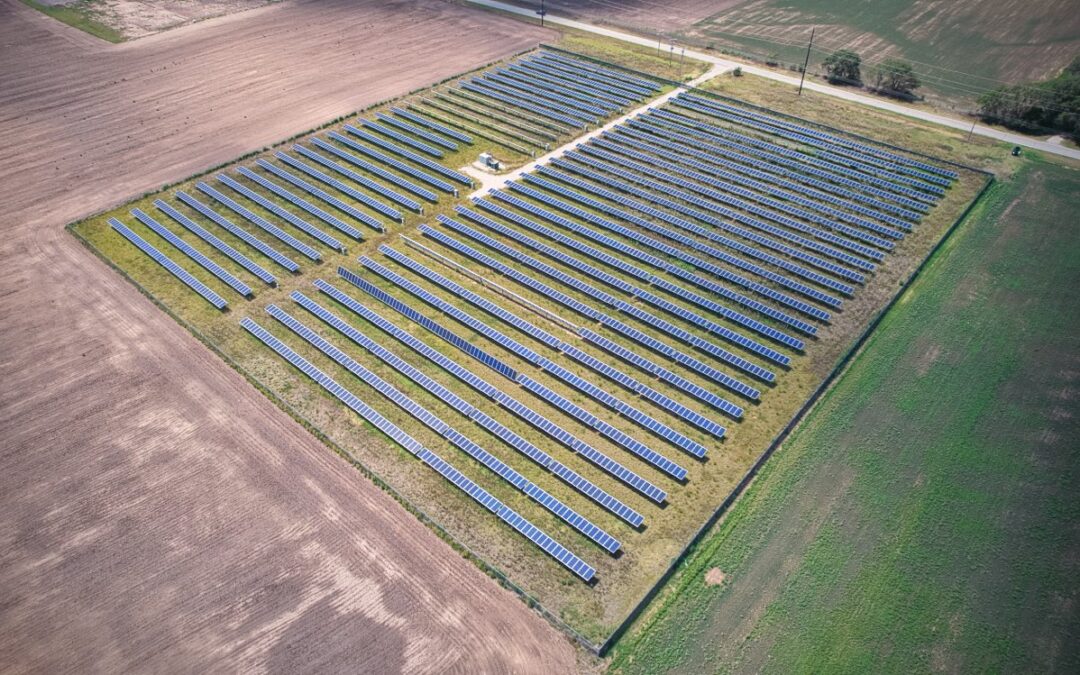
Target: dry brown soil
[(157, 513)]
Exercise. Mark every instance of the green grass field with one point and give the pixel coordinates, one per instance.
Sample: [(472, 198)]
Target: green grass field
[(958, 48), (924, 517)]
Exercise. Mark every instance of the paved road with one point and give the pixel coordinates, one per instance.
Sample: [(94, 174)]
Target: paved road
[(839, 92)]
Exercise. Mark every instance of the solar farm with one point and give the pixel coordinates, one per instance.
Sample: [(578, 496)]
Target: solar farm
[(570, 368)]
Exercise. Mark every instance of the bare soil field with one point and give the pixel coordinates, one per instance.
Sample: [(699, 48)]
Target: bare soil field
[(135, 19), (647, 16), (158, 512)]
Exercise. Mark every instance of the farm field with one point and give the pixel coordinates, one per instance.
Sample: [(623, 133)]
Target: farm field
[(390, 263), (146, 491), (959, 49), (924, 515)]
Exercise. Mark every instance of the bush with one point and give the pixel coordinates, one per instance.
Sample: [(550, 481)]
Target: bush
[(1050, 105), (737, 72), (894, 77)]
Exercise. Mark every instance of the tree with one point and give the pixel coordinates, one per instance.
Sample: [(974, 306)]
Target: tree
[(1050, 105), (895, 78), (843, 67)]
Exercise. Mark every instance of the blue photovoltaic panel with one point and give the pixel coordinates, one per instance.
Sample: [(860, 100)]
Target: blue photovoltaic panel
[(407, 202), (440, 427), (587, 79), (410, 313), (417, 131), (259, 221), (377, 170), (411, 156), (284, 214), (478, 87), (594, 88), (546, 543), (193, 253), (541, 103), (543, 459), (430, 124), (566, 88), (643, 86), (446, 308), (202, 233), (239, 232), (528, 87), (390, 161), (163, 260), (373, 204), (401, 138), (319, 213)]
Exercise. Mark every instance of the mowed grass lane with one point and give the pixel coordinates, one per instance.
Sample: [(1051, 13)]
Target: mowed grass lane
[(924, 517)]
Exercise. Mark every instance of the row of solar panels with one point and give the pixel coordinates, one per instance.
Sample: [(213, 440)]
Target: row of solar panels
[(481, 496)]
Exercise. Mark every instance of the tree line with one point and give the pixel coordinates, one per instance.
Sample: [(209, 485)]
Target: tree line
[(892, 77)]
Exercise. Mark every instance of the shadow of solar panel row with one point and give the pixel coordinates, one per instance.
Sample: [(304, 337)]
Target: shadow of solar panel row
[(716, 271), (239, 232), (744, 162), (484, 498), (374, 204), (617, 303), (828, 152), (462, 317), (230, 252), (597, 147), (688, 226), (603, 428), (681, 155), (404, 201), (693, 243), (307, 206), (401, 138), (591, 88), (873, 151), (662, 264), (795, 159), (459, 440), (435, 126), (662, 373), (530, 86), (588, 452), (641, 419), (177, 271), (591, 313), (411, 156), (477, 87), (193, 253), (390, 161), (622, 79), (287, 216), (872, 253), (567, 87), (417, 131), (259, 221), (426, 323), (595, 392)]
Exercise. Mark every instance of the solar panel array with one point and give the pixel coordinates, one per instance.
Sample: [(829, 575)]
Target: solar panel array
[(653, 283)]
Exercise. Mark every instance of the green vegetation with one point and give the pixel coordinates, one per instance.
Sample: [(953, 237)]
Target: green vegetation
[(81, 15), (843, 67), (670, 65), (1038, 106), (897, 78), (924, 517)]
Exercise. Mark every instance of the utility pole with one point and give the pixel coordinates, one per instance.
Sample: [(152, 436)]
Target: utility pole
[(806, 61), (542, 13), (971, 131), (659, 39)]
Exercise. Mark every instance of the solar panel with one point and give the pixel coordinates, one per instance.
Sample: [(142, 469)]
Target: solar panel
[(362, 180), (477, 86), (536, 98), (411, 156), (641, 85), (417, 131), (238, 232), (179, 272), (390, 161), (401, 138), (373, 204), (528, 86), (307, 206), (259, 221), (585, 78), (202, 233), (545, 542), (287, 216), (193, 253), (441, 128), (377, 170), (568, 88), (568, 83)]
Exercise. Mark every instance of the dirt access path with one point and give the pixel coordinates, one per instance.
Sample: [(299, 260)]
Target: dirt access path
[(157, 512)]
